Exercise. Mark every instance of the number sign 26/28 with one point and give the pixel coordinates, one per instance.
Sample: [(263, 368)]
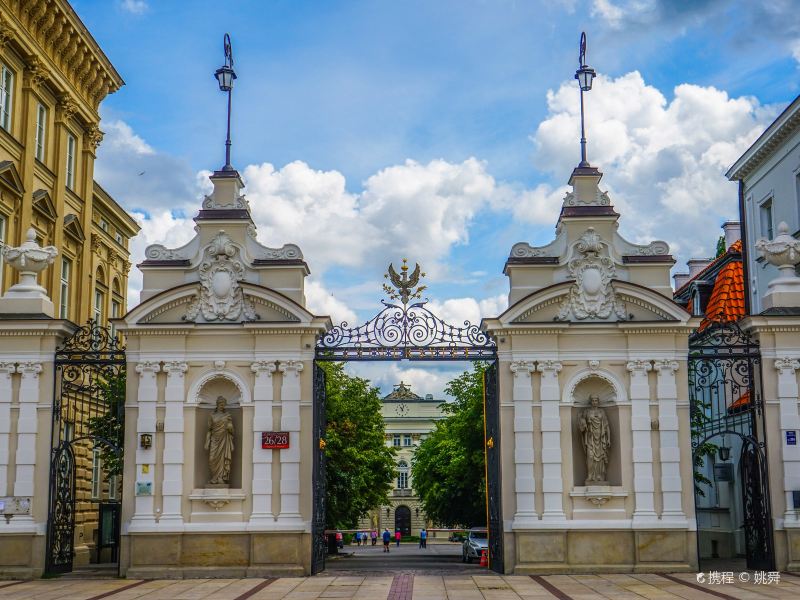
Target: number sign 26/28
[(274, 440)]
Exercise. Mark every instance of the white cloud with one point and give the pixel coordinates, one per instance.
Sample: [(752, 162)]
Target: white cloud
[(659, 157), (135, 7), (456, 311), (430, 378), (321, 301)]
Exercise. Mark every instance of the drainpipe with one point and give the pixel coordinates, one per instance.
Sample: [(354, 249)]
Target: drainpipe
[(745, 249)]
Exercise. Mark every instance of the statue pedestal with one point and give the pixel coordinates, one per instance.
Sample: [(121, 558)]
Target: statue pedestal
[(212, 504), (217, 486), (27, 306), (598, 501)]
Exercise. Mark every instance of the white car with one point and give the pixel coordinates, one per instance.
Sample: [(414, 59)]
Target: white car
[(477, 541)]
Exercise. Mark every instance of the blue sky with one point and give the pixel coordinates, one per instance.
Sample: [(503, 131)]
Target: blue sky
[(476, 94)]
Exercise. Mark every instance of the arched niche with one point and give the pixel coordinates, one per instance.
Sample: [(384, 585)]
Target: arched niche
[(211, 388), (602, 386)]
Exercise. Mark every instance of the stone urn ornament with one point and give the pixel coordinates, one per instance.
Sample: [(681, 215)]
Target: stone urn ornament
[(29, 259), (783, 252)]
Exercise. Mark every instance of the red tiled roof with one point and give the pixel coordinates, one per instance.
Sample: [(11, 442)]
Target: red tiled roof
[(742, 403), (726, 304), (736, 248)]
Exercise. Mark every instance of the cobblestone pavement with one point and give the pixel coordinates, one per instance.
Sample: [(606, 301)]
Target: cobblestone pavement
[(406, 586)]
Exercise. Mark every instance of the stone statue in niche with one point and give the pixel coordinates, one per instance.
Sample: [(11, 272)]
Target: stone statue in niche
[(596, 440), (219, 443)]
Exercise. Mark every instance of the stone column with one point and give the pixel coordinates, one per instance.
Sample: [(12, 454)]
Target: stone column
[(789, 420), (552, 482), (290, 457), (172, 488), (6, 371), (27, 426), (262, 459), (642, 448), (670, 452), (143, 514), (524, 484)]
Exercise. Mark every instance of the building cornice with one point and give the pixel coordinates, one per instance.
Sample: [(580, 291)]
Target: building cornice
[(781, 128)]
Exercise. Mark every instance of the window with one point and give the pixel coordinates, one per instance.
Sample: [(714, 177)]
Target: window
[(41, 121), (66, 267), (407, 439), (69, 431), (99, 302), (402, 475), (113, 487), (116, 307), (766, 219), (396, 440), (70, 161), (103, 224), (2, 241), (97, 474), (6, 95), (118, 237)]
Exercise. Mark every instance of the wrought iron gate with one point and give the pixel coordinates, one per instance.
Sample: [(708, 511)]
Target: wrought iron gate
[(494, 508), (88, 418), (319, 543), (726, 402)]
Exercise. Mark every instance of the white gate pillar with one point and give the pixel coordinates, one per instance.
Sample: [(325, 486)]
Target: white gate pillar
[(789, 420), (145, 457), (552, 481), (27, 427), (670, 452), (6, 371), (263, 397), (172, 487), (290, 457), (642, 449), (524, 484)]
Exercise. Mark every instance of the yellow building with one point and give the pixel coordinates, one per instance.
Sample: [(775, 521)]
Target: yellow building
[(53, 76)]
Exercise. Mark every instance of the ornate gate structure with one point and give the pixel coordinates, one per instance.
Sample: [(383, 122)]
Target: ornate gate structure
[(727, 408), (88, 417), (408, 330)]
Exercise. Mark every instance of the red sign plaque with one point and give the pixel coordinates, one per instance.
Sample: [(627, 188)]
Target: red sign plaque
[(274, 440)]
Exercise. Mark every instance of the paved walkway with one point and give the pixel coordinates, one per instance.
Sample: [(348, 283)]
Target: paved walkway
[(407, 587)]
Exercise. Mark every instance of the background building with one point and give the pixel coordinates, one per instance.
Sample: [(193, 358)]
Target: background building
[(53, 76), (408, 418)]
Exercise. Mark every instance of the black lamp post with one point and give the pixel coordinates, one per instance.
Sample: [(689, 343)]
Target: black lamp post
[(225, 76), (585, 74)]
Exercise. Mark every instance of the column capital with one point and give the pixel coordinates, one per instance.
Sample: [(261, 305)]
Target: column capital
[(666, 365), (264, 367), (787, 365), (175, 368), (7, 368), (30, 369), (549, 366), (522, 367), (147, 367), (290, 366), (639, 365)]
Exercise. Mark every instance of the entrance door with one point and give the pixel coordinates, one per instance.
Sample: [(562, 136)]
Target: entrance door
[(402, 520), (494, 517), (319, 544)]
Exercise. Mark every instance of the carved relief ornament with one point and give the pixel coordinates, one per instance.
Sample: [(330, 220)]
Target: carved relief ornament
[(221, 297)]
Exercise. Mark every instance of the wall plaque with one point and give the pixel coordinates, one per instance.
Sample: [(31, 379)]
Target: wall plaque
[(791, 438), (274, 440)]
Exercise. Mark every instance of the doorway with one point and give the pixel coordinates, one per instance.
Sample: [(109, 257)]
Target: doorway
[(402, 520)]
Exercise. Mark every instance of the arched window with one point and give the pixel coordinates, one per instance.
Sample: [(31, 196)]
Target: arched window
[(99, 307), (402, 475)]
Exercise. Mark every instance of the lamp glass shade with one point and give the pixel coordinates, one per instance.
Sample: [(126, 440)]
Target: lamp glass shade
[(585, 75), (724, 453), (225, 76)]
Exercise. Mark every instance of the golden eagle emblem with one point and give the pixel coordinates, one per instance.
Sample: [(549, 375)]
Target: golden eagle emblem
[(406, 287)]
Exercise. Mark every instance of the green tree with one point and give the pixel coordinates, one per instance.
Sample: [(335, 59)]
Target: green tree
[(449, 465), (360, 467), (109, 427)]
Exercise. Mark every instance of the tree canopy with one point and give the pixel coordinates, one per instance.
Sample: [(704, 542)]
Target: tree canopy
[(448, 467), (360, 467)]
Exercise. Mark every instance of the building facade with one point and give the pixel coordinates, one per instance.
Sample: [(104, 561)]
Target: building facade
[(53, 77), (408, 418)]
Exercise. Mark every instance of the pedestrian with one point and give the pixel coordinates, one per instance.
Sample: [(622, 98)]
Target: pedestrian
[(364, 537), (374, 535), (387, 537), (339, 540), (397, 536), (423, 538)]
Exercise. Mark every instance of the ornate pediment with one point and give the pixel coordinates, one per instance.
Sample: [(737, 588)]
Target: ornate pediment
[(72, 227), (43, 204), (9, 177), (220, 296)]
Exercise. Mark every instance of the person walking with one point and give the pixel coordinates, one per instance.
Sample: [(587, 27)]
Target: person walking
[(423, 538), (374, 535), (397, 536), (387, 537)]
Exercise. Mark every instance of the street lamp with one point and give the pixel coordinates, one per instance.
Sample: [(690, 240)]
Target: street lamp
[(225, 76), (585, 74)]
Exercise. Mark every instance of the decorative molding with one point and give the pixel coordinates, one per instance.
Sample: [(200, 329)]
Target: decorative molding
[(291, 366), (666, 365), (240, 202), (35, 72), (549, 366), (175, 368), (94, 136), (30, 369), (219, 365), (639, 365), (285, 252), (7, 369), (786, 365), (522, 368), (65, 108), (96, 243), (264, 367), (147, 368), (594, 365), (161, 252), (601, 199)]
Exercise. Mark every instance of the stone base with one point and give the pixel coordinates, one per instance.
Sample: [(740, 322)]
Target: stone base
[(29, 307), (782, 296), (21, 556)]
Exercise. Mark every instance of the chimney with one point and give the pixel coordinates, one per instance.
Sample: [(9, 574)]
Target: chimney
[(696, 265), (680, 279), (733, 232), (429, 397)]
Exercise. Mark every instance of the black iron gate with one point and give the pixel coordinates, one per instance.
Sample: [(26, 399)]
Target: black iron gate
[(408, 330), (727, 408), (88, 425), (319, 543), (494, 509)]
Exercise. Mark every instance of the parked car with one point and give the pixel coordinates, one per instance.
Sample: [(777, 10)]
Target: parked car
[(477, 541)]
